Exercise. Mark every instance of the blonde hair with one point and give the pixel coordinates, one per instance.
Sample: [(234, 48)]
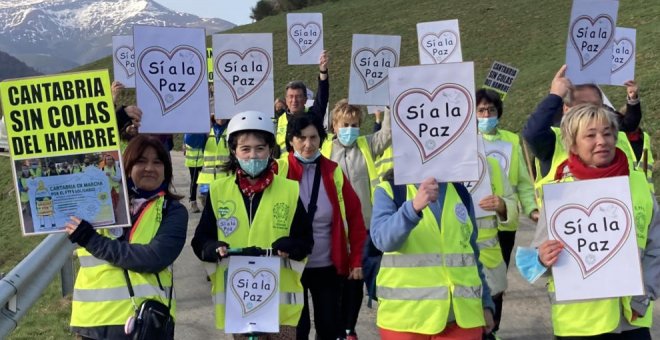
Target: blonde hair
[(345, 110), (579, 116)]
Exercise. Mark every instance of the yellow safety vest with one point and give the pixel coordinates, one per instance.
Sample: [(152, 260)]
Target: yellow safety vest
[(637, 163), (113, 172), (385, 162), (490, 253), (433, 271), (194, 157), (280, 136), (25, 198), (100, 294), (272, 221), (600, 316), (215, 155), (374, 179)]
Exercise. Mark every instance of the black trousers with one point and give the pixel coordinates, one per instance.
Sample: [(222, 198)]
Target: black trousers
[(635, 334), (325, 287), (351, 302), (194, 174), (507, 239)]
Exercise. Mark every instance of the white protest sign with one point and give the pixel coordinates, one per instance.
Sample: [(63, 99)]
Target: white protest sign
[(590, 35), (253, 299), (501, 151), (172, 85), (244, 73), (500, 78), (305, 38), (623, 55), (371, 58), (371, 109), (123, 60), (481, 187), (310, 98), (433, 110), (439, 42), (594, 219)]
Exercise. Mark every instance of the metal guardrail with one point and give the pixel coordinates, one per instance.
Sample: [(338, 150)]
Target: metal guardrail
[(23, 286)]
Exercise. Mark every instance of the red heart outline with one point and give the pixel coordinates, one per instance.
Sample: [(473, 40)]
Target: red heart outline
[(128, 74), (304, 26), (616, 43), (254, 276), (593, 23), (502, 155), (431, 96), (421, 42), (375, 53), (482, 174), (169, 55), (237, 98), (587, 211)]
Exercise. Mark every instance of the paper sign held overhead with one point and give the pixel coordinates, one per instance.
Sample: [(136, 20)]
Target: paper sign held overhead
[(371, 58), (500, 78), (439, 42), (623, 55), (304, 38), (123, 60)]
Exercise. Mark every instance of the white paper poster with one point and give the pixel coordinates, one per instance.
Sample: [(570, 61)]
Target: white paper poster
[(123, 60), (305, 38), (439, 42), (253, 299), (481, 187), (172, 85), (623, 55), (501, 151), (589, 44), (434, 133), (371, 58), (244, 73), (594, 219), (500, 78)]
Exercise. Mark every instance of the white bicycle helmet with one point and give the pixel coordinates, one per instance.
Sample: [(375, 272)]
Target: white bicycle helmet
[(250, 120)]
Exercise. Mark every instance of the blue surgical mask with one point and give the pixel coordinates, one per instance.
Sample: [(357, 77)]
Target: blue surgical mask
[(253, 166), (487, 125), (307, 160), (527, 261), (348, 135)]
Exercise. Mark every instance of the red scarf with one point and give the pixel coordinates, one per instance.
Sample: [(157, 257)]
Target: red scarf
[(579, 170), (263, 181)]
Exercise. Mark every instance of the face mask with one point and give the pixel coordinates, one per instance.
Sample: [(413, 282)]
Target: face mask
[(348, 135), (487, 125), (527, 261), (253, 166), (34, 167), (307, 160)]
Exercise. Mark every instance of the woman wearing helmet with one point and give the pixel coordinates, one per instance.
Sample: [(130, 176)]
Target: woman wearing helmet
[(254, 208)]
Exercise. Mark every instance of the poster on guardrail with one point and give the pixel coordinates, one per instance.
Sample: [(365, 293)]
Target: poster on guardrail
[(595, 221), (64, 147), (253, 295)]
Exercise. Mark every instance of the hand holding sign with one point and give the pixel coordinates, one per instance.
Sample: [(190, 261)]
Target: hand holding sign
[(632, 89), (428, 192), (549, 252), (560, 84)]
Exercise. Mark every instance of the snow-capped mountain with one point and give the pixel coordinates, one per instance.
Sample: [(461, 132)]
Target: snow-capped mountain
[(56, 35)]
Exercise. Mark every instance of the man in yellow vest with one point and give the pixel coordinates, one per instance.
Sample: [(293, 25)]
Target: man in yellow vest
[(296, 95), (193, 150), (216, 153)]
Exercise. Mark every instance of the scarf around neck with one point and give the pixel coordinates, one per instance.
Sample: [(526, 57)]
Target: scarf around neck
[(579, 170), (263, 180)]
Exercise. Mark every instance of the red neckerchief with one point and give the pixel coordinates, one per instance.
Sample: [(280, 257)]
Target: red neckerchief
[(579, 170), (263, 181), (635, 135)]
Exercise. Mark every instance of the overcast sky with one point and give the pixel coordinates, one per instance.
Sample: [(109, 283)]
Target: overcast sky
[(235, 11)]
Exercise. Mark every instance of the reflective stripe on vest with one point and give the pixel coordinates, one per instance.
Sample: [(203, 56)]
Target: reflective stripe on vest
[(119, 293), (194, 157), (216, 153), (426, 260), (489, 246)]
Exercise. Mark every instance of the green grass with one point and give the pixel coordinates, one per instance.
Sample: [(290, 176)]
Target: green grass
[(529, 35)]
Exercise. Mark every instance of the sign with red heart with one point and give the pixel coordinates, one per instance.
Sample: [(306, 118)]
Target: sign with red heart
[(481, 188), (304, 38), (439, 42), (623, 55), (372, 57), (123, 60)]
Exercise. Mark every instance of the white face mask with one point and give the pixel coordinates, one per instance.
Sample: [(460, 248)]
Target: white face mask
[(307, 160)]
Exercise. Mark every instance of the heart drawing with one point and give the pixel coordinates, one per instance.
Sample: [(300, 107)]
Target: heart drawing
[(473, 185), (606, 221), (433, 121), (244, 73), (226, 221), (590, 37), (372, 65), (305, 36), (439, 46), (253, 290), (501, 158), (173, 75), (622, 52), (126, 58)]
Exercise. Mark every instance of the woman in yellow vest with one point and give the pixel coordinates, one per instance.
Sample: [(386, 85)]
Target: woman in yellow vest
[(589, 133), (251, 207), (101, 305)]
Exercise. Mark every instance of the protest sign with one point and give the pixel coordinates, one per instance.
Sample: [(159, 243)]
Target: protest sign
[(623, 55), (253, 286), (209, 63), (371, 109), (172, 85), (439, 42), (589, 44), (481, 187), (55, 125), (371, 58), (123, 60), (500, 78), (305, 38), (434, 123), (500, 150), (243, 67), (594, 219)]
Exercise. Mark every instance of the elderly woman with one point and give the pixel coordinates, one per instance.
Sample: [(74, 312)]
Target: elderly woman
[(337, 222), (266, 212), (143, 252), (589, 133)]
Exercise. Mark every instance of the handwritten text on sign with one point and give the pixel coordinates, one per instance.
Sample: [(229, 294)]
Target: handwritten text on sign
[(305, 35), (253, 289), (372, 65), (126, 57), (440, 46), (245, 72)]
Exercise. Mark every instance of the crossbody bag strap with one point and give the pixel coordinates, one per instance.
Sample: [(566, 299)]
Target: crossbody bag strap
[(311, 207)]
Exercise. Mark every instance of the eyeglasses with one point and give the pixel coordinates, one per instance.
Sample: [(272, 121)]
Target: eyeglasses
[(490, 110)]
